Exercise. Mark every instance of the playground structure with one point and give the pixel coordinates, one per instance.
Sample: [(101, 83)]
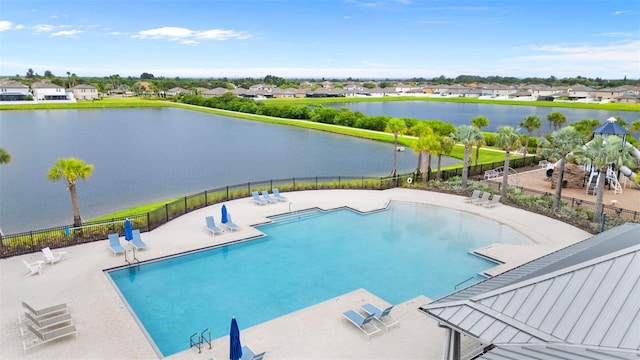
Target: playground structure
[(612, 176)]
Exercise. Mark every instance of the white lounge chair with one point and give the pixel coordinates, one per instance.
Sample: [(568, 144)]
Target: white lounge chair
[(276, 194), (382, 316), (34, 268), (248, 354), (46, 311), (495, 200), (361, 322), (230, 224), (474, 196), (49, 311), (44, 324), (43, 337), (257, 198), (137, 240), (482, 199), (52, 257), (266, 196), (211, 225), (114, 244)]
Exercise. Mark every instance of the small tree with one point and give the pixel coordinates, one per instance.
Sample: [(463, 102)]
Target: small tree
[(71, 169), (421, 130), (603, 152), (5, 156), (556, 119), (446, 146), (508, 140), (635, 127), (530, 123), (397, 127), (479, 122), (563, 142), (467, 136)]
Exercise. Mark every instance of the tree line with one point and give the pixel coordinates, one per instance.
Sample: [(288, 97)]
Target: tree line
[(115, 82)]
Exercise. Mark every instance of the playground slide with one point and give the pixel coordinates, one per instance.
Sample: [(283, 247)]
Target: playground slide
[(625, 170)]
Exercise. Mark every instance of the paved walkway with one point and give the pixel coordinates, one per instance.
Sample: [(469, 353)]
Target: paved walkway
[(106, 329)]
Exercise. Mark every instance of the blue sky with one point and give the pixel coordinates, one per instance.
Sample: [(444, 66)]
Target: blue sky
[(322, 39)]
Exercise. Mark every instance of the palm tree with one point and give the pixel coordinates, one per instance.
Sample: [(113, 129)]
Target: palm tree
[(563, 142), (479, 122), (603, 152), (397, 127), (421, 129), (556, 119), (71, 169), (446, 146), (530, 123), (635, 127), (467, 136), (431, 145), (508, 140), (5, 156)]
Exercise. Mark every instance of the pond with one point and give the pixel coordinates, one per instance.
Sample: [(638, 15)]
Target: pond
[(147, 155), (498, 115)]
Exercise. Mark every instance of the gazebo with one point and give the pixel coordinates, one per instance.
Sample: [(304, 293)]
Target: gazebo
[(611, 127)]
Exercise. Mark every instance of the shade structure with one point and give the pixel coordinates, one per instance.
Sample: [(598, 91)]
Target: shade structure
[(235, 347), (128, 230), (611, 127), (224, 218)]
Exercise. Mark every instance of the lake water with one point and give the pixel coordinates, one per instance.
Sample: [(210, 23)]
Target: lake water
[(498, 115), (148, 155)]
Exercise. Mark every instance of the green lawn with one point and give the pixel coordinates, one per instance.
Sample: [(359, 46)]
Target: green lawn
[(321, 101)]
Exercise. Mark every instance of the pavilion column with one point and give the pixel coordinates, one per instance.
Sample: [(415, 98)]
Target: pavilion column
[(452, 344)]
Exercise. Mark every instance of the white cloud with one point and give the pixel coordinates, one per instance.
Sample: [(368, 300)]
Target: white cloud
[(43, 28), (218, 34), (189, 36), (620, 12), (5, 25), (624, 51), (69, 33), (172, 33)]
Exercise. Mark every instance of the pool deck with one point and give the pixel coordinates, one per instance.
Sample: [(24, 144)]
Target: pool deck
[(106, 329)]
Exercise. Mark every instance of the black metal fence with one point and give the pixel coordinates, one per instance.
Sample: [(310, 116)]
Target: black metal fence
[(33, 241), (612, 212)]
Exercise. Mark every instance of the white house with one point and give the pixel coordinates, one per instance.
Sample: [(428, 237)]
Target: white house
[(49, 91), (13, 91)]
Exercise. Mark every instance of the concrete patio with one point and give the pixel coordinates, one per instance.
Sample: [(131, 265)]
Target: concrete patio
[(106, 329)]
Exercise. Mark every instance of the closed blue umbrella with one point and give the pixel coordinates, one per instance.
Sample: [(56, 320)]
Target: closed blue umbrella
[(224, 217), (235, 348), (128, 230)]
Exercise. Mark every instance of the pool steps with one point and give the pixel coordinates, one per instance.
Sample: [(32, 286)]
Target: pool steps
[(295, 215)]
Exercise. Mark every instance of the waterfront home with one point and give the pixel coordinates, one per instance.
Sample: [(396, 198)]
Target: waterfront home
[(13, 91), (85, 92)]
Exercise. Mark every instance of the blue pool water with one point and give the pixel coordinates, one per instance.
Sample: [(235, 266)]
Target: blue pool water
[(397, 254)]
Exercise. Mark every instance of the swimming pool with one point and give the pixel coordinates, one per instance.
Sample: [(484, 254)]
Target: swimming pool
[(397, 254)]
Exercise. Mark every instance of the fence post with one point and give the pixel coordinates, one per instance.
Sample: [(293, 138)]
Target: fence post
[(166, 212)]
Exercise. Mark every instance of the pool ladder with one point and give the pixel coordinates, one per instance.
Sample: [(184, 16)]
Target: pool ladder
[(134, 262), (201, 340)]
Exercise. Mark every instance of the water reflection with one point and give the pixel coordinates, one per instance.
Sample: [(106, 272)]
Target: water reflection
[(148, 155)]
